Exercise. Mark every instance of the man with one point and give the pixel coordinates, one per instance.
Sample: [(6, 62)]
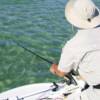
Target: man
[(82, 52)]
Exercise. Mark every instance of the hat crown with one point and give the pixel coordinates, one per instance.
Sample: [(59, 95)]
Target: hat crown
[(85, 9)]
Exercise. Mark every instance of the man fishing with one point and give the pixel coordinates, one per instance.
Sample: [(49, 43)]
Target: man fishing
[(82, 52)]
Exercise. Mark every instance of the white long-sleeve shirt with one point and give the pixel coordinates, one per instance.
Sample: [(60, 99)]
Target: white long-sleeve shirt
[(73, 51)]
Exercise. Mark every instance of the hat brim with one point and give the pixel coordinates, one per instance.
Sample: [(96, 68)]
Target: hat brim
[(74, 19)]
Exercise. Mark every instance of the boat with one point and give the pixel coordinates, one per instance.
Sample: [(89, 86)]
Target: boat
[(42, 91)]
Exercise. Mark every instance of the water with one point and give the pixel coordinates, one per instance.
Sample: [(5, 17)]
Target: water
[(39, 25)]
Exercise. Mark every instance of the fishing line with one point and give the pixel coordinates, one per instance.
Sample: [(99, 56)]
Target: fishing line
[(73, 29)]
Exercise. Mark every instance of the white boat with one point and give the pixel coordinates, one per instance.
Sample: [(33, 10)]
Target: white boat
[(40, 91)]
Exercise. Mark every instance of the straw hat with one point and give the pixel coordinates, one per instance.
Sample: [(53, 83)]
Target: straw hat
[(82, 13)]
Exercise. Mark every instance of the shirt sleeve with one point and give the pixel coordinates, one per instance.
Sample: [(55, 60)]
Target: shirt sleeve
[(71, 53), (66, 62)]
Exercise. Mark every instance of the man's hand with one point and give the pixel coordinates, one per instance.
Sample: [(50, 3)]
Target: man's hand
[(54, 70)]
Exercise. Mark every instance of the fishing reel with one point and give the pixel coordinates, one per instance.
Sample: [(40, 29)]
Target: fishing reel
[(69, 79)]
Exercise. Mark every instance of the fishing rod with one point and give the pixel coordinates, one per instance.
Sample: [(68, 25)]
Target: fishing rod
[(32, 52), (69, 79)]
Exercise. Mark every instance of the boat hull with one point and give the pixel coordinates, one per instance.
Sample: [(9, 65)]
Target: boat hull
[(28, 92)]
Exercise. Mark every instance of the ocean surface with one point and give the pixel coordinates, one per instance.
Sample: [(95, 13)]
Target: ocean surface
[(39, 25)]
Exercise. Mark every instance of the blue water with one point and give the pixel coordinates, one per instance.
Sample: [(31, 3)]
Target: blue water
[(41, 26)]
